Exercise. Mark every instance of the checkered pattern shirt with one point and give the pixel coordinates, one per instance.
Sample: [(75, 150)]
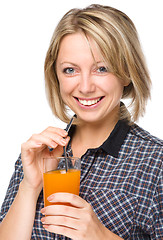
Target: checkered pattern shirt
[(122, 180)]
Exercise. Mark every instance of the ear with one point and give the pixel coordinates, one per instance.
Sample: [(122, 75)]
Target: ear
[(126, 82)]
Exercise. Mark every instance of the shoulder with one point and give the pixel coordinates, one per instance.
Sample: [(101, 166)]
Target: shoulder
[(143, 148), (145, 136), (18, 164)]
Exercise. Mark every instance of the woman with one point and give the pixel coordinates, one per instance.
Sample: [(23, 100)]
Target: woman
[(94, 60)]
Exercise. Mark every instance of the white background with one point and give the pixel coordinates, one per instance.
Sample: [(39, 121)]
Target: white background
[(26, 28)]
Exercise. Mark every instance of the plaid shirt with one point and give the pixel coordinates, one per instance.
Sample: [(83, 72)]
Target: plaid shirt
[(122, 180)]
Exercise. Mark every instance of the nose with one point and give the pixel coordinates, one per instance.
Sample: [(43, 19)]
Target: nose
[(86, 84)]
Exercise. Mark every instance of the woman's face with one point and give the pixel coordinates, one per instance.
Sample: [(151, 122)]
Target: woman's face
[(86, 85)]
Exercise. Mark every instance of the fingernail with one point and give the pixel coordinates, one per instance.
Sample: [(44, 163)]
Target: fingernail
[(45, 226), (39, 144), (50, 198), (53, 145), (43, 211), (43, 220), (63, 141), (64, 133)]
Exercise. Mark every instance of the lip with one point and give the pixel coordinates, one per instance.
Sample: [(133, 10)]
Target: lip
[(89, 99)]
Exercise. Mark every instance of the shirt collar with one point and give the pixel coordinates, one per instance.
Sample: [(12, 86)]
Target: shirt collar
[(113, 143), (115, 140)]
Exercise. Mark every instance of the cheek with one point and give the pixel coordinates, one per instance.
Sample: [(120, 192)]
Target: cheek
[(66, 88), (119, 90), (63, 92), (113, 87)]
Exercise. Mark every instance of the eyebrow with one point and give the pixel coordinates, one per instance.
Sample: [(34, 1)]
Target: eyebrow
[(68, 63), (71, 63)]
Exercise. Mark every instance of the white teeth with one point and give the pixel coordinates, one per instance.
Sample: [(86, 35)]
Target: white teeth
[(89, 102)]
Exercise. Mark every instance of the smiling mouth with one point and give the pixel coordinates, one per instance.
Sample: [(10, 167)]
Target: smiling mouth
[(89, 102)]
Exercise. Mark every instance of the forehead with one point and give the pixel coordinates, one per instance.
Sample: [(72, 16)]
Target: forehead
[(78, 45)]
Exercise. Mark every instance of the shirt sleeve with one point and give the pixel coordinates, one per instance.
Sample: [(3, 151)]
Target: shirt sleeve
[(12, 188), (157, 209)]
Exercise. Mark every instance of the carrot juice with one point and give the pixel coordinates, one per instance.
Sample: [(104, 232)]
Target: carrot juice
[(60, 181)]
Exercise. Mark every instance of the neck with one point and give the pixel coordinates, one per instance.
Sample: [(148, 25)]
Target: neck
[(92, 135), (91, 131)]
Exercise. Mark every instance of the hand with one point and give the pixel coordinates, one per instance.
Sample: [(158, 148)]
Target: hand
[(35, 149), (77, 221)]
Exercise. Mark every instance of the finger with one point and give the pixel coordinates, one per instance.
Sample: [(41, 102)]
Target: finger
[(67, 232), (59, 131), (55, 137), (37, 140), (62, 210), (70, 198), (61, 221)]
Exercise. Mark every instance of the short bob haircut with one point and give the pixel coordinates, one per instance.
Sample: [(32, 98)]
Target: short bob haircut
[(117, 38)]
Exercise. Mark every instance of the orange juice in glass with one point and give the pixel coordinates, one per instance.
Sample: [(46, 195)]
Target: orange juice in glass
[(57, 179)]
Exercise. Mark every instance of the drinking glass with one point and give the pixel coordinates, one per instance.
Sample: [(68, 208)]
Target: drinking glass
[(61, 174)]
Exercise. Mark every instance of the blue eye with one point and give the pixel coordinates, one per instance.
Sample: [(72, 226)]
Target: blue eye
[(102, 70), (68, 70)]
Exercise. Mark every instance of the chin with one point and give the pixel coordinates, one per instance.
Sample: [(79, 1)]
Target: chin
[(90, 118)]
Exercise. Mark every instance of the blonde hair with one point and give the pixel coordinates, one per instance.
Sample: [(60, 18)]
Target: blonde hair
[(117, 39)]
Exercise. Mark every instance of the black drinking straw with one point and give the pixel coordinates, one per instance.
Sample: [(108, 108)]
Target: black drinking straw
[(64, 148)]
